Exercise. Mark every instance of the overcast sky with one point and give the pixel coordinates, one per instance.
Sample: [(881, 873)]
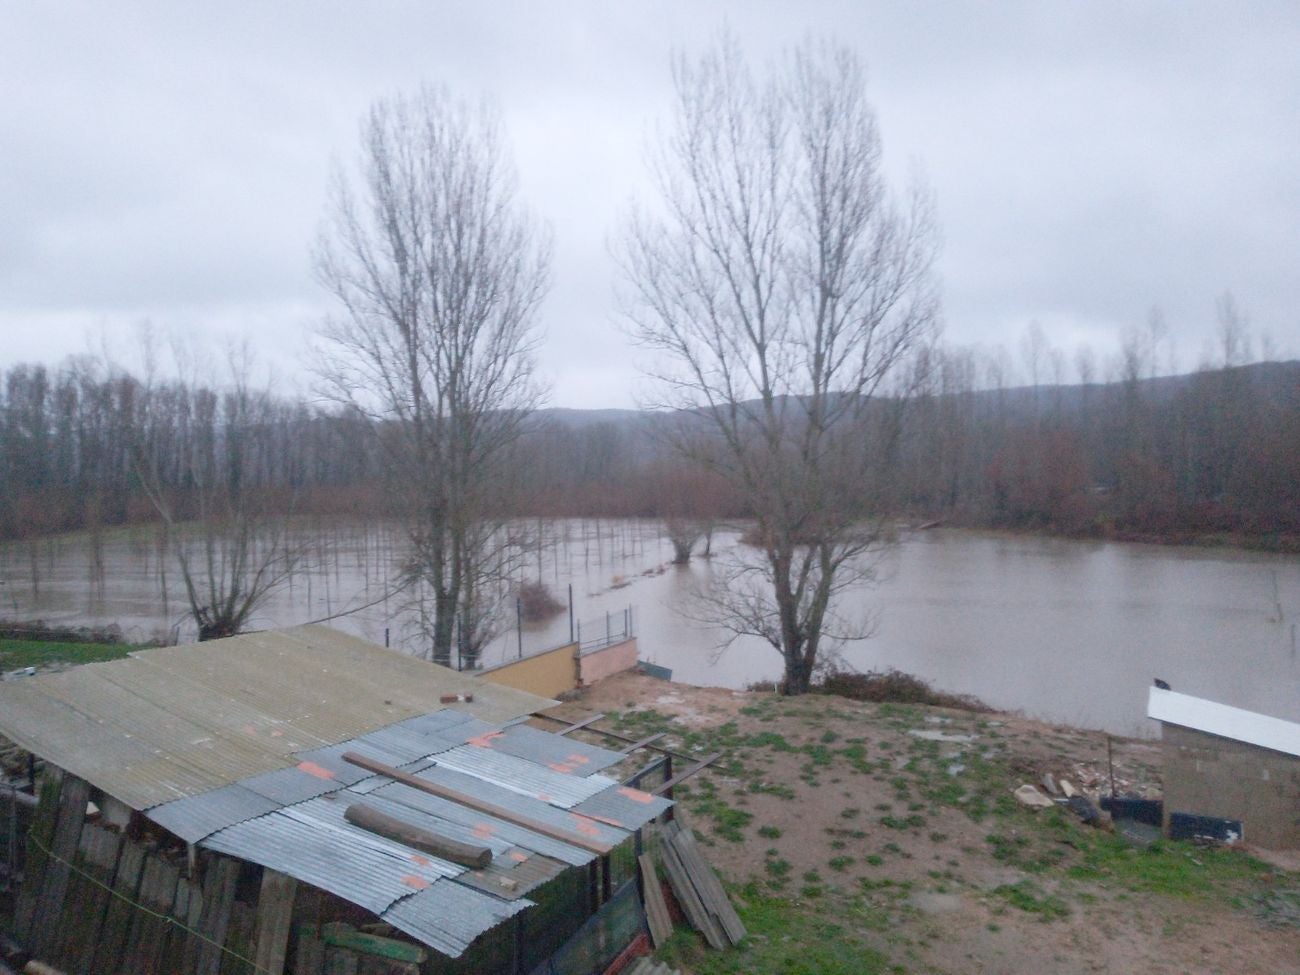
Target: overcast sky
[(169, 162)]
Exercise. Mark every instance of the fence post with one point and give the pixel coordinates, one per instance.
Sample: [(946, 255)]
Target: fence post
[(519, 625), (571, 612)]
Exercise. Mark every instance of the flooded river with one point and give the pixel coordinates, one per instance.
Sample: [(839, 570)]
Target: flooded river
[(1063, 630)]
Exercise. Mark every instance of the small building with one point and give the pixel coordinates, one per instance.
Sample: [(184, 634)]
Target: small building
[(1222, 762), (201, 813)]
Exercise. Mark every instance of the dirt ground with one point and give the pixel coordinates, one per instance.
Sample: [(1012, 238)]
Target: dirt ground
[(897, 823)]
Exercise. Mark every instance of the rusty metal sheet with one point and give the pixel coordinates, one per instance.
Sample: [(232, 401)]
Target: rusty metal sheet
[(448, 916), (623, 806)]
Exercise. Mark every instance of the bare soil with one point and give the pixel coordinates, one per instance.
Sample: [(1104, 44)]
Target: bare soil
[(898, 823)]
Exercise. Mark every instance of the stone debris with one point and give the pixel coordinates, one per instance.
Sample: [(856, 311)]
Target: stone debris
[(1030, 796)]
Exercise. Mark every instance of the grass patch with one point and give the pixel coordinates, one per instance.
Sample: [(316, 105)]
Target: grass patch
[(17, 654)]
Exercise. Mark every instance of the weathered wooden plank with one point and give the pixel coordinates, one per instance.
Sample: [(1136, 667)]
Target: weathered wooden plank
[(237, 958), (274, 917), (656, 909), (120, 912), (48, 927), (373, 965), (149, 933), (99, 852), (173, 952), (340, 961), (309, 953), (188, 942), (218, 901), (689, 899), (81, 891), (338, 934), (685, 773), (40, 834), (708, 886)]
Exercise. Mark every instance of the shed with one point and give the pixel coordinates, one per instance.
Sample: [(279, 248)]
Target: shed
[(1228, 763), (227, 776)]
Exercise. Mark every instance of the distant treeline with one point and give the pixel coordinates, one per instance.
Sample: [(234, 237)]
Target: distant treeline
[(1217, 451)]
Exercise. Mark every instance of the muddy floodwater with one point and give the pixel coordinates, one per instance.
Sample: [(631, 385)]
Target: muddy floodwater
[(1068, 631)]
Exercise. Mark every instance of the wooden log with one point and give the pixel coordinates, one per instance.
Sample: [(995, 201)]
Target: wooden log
[(40, 834), (491, 809), (369, 818), (274, 916), (218, 901), (656, 909), (120, 913), (98, 857)]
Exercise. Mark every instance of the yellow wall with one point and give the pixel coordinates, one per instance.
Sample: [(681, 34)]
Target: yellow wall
[(549, 674)]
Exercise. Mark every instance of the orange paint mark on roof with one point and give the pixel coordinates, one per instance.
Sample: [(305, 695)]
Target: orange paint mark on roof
[(560, 767), (584, 825), (517, 856), (414, 882), (482, 830), (421, 860), (484, 741), (636, 795), (319, 771), (577, 759)]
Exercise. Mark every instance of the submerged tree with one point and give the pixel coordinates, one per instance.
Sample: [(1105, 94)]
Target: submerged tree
[(194, 456), (784, 288), (440, 273)]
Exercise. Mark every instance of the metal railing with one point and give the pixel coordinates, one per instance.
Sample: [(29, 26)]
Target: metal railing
[(601, 632)]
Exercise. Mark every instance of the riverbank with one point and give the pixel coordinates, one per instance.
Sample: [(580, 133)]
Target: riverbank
[(861, 838)]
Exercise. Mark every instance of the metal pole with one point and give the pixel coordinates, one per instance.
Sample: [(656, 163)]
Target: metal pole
[(519, 625), (571, 612), (608, 638), (385, 636)]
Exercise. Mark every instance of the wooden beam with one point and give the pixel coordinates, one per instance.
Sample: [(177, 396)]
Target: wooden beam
[(641, 744), (500, 812), (580, 724), (390, 827), (274, 914), (686, 773), (656, 909)]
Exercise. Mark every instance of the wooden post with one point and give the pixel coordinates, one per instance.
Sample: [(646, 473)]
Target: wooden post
[(48, 928), (274, 915), (374, 821)]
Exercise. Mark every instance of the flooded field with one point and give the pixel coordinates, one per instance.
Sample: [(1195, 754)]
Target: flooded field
[(1063, 630)]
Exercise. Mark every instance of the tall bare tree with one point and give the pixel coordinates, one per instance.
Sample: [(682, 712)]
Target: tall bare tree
[(783, 288), (440, 273)]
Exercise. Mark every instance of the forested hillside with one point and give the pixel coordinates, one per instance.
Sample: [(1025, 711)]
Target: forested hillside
[(1216, 451)]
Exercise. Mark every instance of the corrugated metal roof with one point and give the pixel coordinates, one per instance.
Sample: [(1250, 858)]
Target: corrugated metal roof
[(519, 775), (499, 794), (555, 751), (195, 817), (1224, 720), (371, 874), (173, 722), (513, 874), (448, 916), (623, 806), (293, 784)]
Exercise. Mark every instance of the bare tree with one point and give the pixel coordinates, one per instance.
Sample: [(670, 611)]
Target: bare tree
[(783, 289), (192, 455), (440, 273)]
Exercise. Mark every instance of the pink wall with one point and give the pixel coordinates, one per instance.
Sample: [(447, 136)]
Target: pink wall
[(607, 661)]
